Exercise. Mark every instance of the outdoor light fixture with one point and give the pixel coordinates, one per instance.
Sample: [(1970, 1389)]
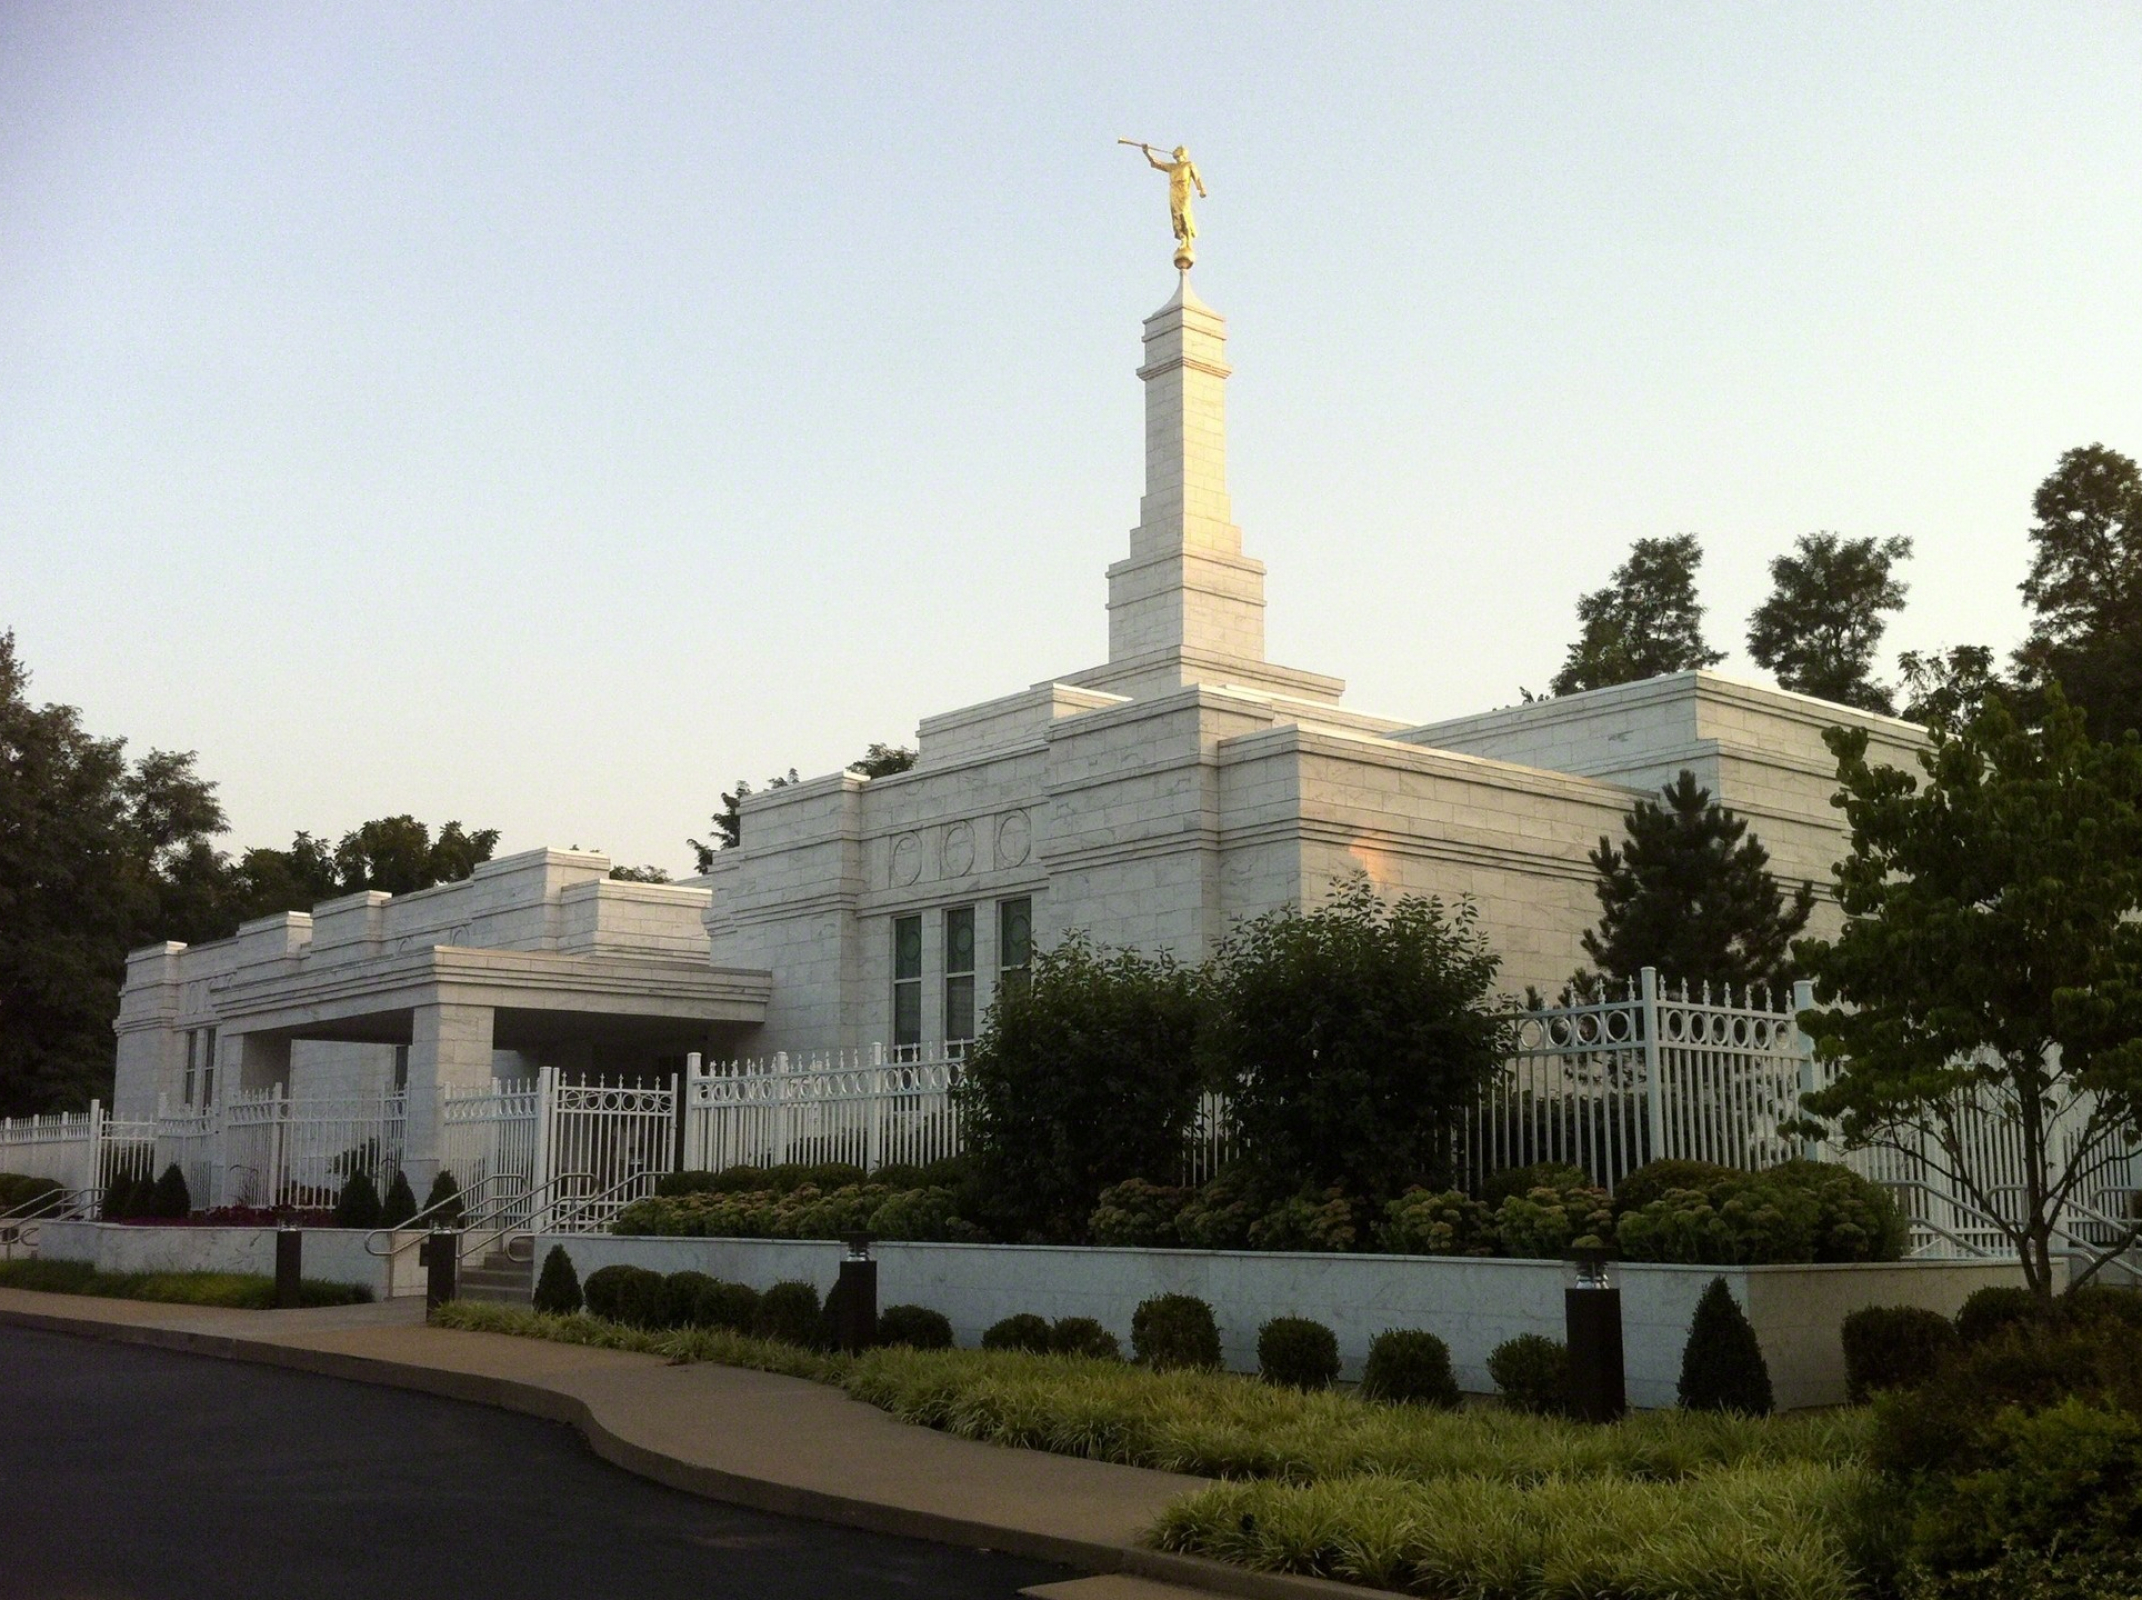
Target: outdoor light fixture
[(854, 1301), (440, 1254), (1591, 1309), (289, 1263)]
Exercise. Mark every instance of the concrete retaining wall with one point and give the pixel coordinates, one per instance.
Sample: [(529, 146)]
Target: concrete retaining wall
[(1473, 1305), (333, 1255)]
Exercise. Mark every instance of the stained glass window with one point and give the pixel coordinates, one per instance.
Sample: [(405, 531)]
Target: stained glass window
[(907, 983), (959, 974)]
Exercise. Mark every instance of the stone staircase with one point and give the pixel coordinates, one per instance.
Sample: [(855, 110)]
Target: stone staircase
[(498, 1277)]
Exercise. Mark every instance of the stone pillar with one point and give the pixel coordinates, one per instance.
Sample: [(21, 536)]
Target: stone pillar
[(449, 1048), (1187, 588), (251, 1061)]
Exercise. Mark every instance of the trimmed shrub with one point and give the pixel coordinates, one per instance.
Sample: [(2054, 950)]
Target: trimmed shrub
[(1322, 1222), (642, 1299), (788, 1312), (733, 1306), (358, 1204), (1082, 1336), (18, 1189), (1138, 1213), (400, 1202), (1856, 1219), (1888, 1347), (1797, 1211), (445, 1191), (557, 1291), (1655, 1179), (682, 1293), (170, 1198), (1448, 1223), (1409, 1366), (1996, 1309), (917, 1327), (1022, 1331), (1297, 1353), (2101, 1302), (1722, 1367), (1546, 1222), (602, 1290), (1500, 1186), (120, 1198), (1175, 1330), (1531, 1372)]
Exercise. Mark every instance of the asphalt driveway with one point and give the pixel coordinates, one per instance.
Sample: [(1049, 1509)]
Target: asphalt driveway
[(129, 1472)]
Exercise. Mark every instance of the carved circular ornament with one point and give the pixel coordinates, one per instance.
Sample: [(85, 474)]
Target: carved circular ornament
[(959, 850), (906, 859), (1014, 839)]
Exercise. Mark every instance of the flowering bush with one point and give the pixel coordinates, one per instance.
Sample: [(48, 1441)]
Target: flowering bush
[(1549, 1222), (805, 1212), (1451, 1223)]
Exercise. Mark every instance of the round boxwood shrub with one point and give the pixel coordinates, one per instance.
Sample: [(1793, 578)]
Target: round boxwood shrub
[(788, 1312), (1993, 1310), (1886, 1347), (1722, 1367), (400, 1202), (1531, 1372), (1175, 1330), (1297, 1353), (682, 1294), (1023, 1331), (601, 1291), (172, 1200), (557, 1291), (722, 1304), (1082, 1336), (1409, 1366), (358, 1204), (642, 1299), (917, 1327)]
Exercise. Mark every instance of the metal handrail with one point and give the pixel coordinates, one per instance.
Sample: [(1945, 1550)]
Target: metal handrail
[(485, 1224), (459, 1199), (2057, 1229), (576, 1208), (20, 1223)]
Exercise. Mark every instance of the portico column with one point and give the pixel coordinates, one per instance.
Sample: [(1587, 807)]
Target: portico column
[(449, 1048)]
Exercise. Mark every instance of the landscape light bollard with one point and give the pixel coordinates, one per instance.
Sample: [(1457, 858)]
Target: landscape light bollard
[(856, 1326), (289, 1265), (440, 1255), (1591, 1309)]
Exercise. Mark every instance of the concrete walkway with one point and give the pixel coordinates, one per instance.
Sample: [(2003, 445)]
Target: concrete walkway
[(750, 1438)]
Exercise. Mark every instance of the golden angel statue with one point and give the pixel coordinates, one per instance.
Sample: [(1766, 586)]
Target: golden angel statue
[(1182, 178)]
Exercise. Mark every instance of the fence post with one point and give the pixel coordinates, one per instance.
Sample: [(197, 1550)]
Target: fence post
[(1803, 999), (783, 1118), (95, 1161), (539, 1167), (1654, 1089)]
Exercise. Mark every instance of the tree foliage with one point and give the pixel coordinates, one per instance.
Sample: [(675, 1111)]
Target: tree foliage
[(1689, 892), (1946, 687), (1351, 1037), (2085, 588), (881, 760), (1991, 958), (1645, 622), (1820, 627), (1085, 1075)]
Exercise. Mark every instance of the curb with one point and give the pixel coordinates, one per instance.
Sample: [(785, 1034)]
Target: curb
[(711, 1483)]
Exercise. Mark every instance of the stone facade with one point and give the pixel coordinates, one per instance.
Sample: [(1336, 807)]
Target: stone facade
[(1188, 783)]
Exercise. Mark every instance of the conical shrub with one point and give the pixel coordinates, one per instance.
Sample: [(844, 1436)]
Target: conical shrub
[(1722, 1367), (400, 1204), (119, 1199), (445, 1192), (557, 1291), (170, 1198), (358, 1205)]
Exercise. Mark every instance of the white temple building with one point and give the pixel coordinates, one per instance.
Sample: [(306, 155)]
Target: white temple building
[(1154, 800)]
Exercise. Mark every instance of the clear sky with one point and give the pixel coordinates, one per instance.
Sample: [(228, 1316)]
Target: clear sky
[(543, 415)]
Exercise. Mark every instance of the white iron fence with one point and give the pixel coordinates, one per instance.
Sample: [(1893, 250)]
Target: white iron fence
[(862, 1108)]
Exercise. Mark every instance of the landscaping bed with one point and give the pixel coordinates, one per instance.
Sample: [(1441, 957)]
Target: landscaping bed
[(244, 1291), (1480, 1502)]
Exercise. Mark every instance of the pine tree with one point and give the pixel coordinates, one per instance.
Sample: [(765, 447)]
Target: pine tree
[(1820, 627), (1690, 893), (1646, 622), (2085, 586), (444, 1189), (1722, 1366), (400, 1204), (558, 1290)]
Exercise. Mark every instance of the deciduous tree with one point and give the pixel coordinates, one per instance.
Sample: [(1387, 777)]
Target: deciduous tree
[(1989, 973), (1820, 627), (1646, 622)]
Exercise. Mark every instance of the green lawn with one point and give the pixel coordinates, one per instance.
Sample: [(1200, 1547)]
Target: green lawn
[(245, 1291), (1480, 1504)]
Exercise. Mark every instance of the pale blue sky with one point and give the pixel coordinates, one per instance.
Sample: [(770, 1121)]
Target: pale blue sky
[(542, 415)]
